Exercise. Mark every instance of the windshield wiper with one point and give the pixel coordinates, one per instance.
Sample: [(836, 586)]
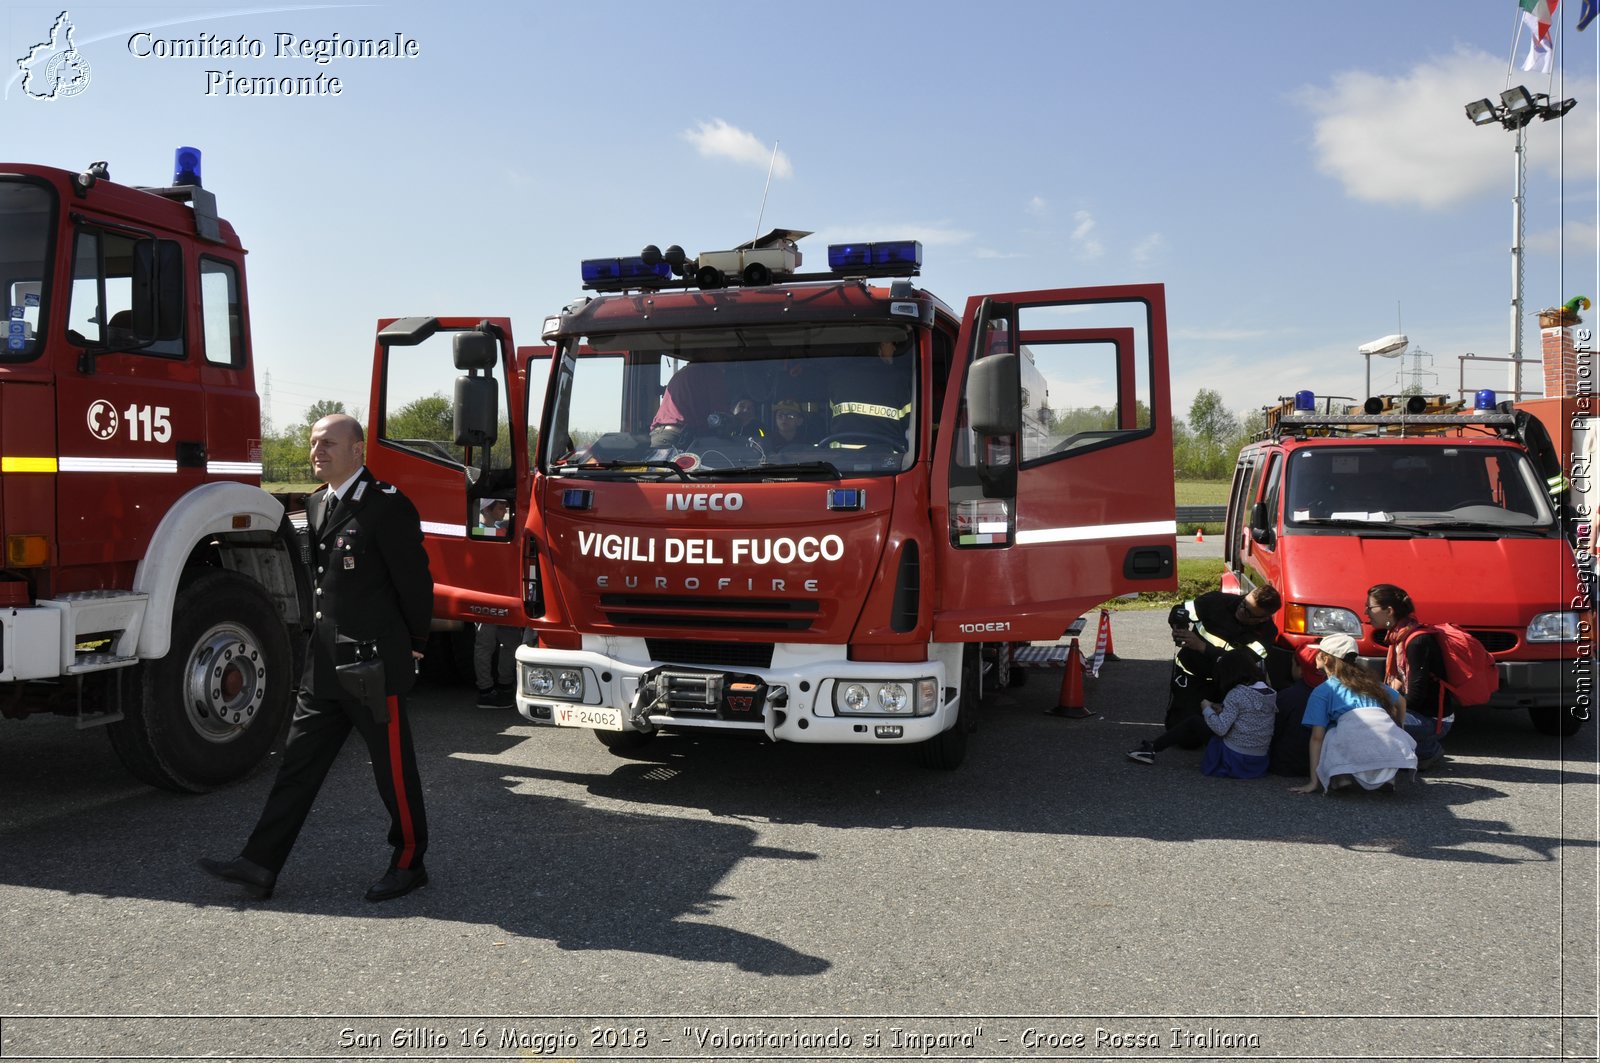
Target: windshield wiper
[(626, 465), (1367, 527), (825, 468), (1488, 526)]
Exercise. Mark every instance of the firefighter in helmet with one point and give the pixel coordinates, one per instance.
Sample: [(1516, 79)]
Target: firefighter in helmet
[(1207, 627)]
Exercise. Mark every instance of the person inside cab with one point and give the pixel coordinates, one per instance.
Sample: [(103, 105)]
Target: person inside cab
[(692, 396), (870, 398)]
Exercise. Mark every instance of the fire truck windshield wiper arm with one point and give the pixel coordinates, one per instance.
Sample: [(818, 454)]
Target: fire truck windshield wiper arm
[(825, 468), (1536, 530), (627, 465)]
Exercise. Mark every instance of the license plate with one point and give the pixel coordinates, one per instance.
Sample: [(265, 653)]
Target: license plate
[(598, 718)]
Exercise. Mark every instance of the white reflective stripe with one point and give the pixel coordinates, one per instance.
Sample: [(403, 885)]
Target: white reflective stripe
[(233, 468), (458, 531), (1097, 531), (119, 465)]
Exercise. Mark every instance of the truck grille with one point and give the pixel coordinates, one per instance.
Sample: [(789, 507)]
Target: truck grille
[(1494, 641), (727, 654), (766, 614)]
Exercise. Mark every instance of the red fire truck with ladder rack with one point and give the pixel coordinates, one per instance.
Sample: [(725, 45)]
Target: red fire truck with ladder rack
[(803, 506), (148, 581), (1461, 507)]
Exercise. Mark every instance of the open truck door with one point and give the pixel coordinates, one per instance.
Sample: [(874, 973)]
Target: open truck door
[(1053, 476), (449, 424)]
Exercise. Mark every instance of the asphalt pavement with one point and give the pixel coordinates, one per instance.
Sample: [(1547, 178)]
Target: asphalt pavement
[(726, 899)]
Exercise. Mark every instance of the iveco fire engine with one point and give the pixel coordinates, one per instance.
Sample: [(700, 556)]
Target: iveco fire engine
[(148, 582), (799, 507), (1461, 507)]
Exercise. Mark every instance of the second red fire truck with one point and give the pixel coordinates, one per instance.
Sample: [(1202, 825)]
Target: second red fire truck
[(801, 506)]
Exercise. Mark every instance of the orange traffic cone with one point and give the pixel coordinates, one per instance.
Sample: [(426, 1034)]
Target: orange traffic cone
[(1199, 535), (1069, 702)]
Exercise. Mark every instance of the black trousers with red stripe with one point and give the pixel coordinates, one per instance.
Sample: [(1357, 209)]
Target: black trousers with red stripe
[(317, 732)]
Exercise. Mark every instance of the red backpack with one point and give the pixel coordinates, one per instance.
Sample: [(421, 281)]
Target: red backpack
[(1469, 669)]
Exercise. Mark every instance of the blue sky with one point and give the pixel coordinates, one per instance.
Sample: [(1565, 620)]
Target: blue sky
[(1301, 177)]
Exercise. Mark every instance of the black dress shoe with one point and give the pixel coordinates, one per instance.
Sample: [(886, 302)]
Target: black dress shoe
[(256, 880), (397, 882)]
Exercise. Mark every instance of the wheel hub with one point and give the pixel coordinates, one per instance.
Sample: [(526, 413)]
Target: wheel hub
[(227, 683)]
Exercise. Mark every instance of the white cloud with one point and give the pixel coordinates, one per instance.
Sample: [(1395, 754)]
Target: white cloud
[(1038, 207), (1083, 236), (1406, 139), (719, 140), (1576, 237), (992, 253), (1148, 249)]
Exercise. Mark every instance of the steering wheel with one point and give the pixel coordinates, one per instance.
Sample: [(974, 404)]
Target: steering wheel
[(863, 438)]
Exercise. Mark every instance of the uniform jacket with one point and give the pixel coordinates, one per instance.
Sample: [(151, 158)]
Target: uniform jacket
[(370, 580)]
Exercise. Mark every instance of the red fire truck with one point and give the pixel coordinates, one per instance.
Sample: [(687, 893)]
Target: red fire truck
[(800, 508), (148, 583), (1450, 503)]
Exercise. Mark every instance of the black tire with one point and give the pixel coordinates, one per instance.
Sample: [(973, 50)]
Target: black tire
[(946, 751), (623, 743), (709, 277), (1554, 720), (208, 713), (757, 275)]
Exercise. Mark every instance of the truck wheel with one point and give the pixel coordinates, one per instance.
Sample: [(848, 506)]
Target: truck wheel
[(1554, 720), (208, 713), (624, 742), (948, 749)]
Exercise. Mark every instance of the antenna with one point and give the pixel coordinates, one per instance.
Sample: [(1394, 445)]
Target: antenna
[(763, 211)]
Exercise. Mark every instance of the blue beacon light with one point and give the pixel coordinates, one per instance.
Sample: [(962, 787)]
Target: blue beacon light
[(1484, 400), (896, 255), (186, 167), (1305, 401)]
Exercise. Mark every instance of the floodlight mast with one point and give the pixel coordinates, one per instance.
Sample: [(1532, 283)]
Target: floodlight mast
[(1388, 347), (1516, 109)]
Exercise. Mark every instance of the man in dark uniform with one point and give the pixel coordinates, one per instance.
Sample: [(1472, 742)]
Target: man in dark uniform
[(1205, 628), (870, 398), (372, 591)]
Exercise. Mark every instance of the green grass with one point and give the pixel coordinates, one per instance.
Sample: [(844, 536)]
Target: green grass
[(1202, 492), (1196, 575)]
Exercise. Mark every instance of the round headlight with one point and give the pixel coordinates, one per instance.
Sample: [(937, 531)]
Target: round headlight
[(571, 684), (856, 697), (541, 681), (892, 696)]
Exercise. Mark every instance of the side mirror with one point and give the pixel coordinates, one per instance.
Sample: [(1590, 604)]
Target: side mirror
[(994, 411), (1260, 528), (994, 395), (476, 418), (475, 350)]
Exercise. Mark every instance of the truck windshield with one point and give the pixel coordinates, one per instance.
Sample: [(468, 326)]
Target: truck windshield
[(822, 401), (26, 212), (1421, 486)]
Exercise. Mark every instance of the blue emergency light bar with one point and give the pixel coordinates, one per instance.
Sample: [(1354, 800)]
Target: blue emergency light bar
[(889, 258), (186, 166), (632, 272)]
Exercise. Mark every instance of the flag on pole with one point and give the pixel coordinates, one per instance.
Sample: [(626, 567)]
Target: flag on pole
[(1586, 13), (1537, 15)]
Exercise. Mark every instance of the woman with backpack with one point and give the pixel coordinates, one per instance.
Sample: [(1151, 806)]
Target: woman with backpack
[(1355, 724), (1414, 666)]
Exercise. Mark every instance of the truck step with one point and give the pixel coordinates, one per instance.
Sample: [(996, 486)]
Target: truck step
[(118, 613), (98, 662)]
